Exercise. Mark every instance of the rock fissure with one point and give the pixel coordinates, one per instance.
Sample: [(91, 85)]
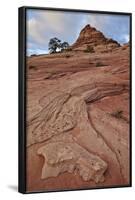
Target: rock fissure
[(78, 97), (106, 143)]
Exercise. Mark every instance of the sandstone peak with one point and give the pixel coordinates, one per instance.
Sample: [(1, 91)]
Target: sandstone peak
[(91, 36), (88, 27)]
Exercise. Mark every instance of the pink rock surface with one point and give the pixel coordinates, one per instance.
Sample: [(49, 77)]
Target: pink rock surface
[(78, 110)]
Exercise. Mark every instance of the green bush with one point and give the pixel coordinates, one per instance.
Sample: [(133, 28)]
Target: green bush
[(32, 67), (68, 49), (67, 56), (117, 114), (32, 55), (99, 64), (65, 50), (89, 49)]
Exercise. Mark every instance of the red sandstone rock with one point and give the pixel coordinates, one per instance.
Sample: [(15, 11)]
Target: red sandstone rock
[(89, 36), (78, 110)]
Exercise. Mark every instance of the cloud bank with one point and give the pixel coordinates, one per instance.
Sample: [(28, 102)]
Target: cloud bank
[(44, 24)]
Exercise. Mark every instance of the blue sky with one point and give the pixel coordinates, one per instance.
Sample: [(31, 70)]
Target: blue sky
[(44, 24)]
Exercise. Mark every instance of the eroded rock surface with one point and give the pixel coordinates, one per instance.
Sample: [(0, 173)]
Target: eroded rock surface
[(78, 117), (70, 157)]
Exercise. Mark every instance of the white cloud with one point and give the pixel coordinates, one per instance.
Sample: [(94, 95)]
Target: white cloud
[(96, 20), (35, 31), (43, 25), (126, 38)]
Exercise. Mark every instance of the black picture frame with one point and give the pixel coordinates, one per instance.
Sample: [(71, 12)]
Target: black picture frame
[(23, 98)]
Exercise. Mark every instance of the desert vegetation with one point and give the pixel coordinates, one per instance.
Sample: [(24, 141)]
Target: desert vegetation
[(100, 64), (55, 45), (89, 49)]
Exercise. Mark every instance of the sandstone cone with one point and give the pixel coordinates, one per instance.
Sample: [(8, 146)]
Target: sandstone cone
[(90, 36)]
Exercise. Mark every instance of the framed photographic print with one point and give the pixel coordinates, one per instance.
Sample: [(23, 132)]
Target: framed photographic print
[(74, 99)]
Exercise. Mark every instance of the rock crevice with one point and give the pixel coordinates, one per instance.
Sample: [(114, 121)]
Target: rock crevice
[(68, 112)]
